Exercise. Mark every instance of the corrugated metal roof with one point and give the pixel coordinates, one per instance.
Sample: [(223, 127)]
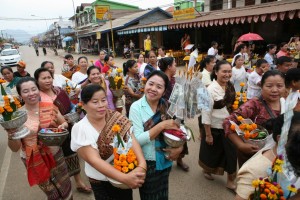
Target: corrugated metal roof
[(265, 8), (126, 20)]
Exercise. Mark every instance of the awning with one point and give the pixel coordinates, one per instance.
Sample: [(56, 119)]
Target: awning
[(273, 11), (142, 29)]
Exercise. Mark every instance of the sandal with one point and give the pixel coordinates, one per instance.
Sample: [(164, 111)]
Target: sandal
[(183, 166), (85, 190), (208, 176)]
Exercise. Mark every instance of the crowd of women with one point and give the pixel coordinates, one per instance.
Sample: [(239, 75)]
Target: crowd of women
[(44, 97)]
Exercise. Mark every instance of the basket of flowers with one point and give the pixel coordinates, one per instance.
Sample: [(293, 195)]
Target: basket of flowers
[(125, 159), (270, 187), (116, 85), (240, 97), (250, 132), (53, 136), (12, 118)]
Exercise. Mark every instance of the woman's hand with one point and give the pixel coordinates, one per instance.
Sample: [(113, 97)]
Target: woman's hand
[(64, 125), (135, 178), (209, 139), (11, 132), (170, 124), (247, 148), (173, 153)]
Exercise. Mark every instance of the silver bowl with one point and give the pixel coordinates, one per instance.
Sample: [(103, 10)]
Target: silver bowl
[(117, 184), (174, 141), (17, 121), (258, 142)]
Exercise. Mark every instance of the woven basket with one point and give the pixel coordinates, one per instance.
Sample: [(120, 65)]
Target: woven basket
[(53, 139)]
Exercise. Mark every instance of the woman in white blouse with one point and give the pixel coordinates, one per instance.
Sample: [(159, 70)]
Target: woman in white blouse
[(91, 138), (207, 65), (81, 75), (217, 153)]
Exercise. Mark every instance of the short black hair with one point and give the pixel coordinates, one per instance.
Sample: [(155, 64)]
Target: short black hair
[(260, 62), (292, 75), (24, 80), (213, 43), (206, 61), (106, 58), (277, 124), (68, 56), (270, 46), (161, 75), (217, 67), (88, 92), (283, 59), (163, 63), (271, 73), (82, 57), (127, 65), (6, 67), (45, 62), (39, 71), (88, 72)]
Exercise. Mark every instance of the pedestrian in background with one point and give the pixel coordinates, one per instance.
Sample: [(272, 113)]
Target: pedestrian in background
[(44, 50), (270, 56), (21, 65), (239, 73), (147, 47)]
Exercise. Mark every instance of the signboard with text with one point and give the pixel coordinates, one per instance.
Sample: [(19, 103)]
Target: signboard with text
[(102, 13), (188, 13)]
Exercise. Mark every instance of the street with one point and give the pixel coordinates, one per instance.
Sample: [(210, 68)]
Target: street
[(183, 185)]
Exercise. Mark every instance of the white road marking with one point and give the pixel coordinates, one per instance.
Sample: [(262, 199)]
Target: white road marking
[(4, 170)]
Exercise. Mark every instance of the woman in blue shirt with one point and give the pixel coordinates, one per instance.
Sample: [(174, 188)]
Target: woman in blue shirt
[(149, 118)]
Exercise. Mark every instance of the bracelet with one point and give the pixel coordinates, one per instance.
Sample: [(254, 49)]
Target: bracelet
[(143, 168)]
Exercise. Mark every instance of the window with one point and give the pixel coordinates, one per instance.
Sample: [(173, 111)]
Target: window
[(216, 4), (233, 4), (249, 2), (177, 8), (267, 1)]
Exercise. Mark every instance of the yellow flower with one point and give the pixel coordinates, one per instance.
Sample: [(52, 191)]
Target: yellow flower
[(242, 84), (235, 107), (238, 94), (119, 70), (235, 103), (244, 94), (255, 183), (240, 118), (277, 168), (292, 188), (116, 128), (125, 169), (131, 166), (124, 163)]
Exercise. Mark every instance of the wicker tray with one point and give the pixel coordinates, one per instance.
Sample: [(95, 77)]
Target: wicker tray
[(53, 139)]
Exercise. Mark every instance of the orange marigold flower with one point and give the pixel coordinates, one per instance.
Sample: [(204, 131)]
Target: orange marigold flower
[(242, 126), (124, 163), (244, 94), (135, 163), (125, 169), (1, 110), (118, 168), (232, 127), (240, 118), (2, 81), (242, 84), (143, 78), (131, 166), (263, 196), (122, 157), (235, 103), (235, 107), (254, 126), (238, 94), (116, 128), (247, 135), (5, 98)]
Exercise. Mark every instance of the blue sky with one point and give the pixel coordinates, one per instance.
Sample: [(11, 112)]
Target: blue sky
[(50, 9)]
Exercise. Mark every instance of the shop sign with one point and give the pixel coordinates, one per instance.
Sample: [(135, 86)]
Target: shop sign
[(102, 13), (98, 35), (188, 13)]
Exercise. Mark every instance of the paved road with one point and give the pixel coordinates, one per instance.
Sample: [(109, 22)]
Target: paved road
[(183, 185)]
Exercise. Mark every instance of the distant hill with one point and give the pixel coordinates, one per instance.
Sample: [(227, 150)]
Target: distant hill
[(19, 35)]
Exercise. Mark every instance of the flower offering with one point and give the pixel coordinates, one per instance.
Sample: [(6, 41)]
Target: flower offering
[(240, 97), (124, 158), (116, 85)]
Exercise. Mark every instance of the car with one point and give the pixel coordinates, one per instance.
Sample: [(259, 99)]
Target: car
[(9, 57), (7, 46)]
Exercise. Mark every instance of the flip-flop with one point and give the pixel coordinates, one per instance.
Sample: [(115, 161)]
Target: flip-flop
[(183, 166), (85, 190), (208, 176), (232, 190)]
